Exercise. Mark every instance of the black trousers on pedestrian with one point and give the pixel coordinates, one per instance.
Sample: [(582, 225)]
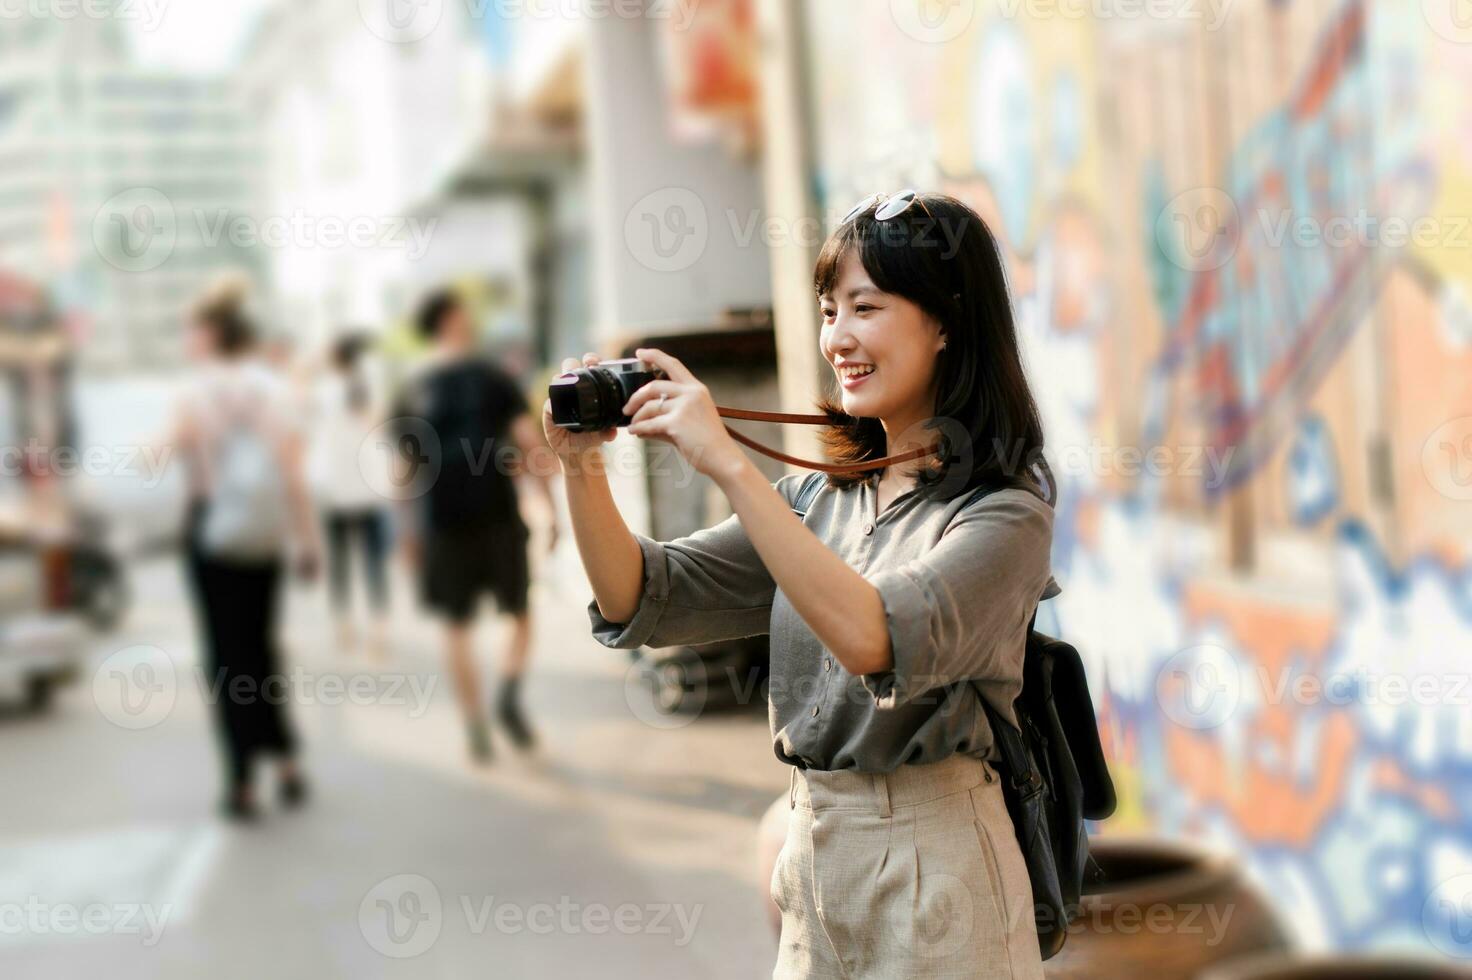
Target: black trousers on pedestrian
[(237, 605), (366, 529)]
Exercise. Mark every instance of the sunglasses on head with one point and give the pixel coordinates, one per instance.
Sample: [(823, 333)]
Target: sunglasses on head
[(890, 206)]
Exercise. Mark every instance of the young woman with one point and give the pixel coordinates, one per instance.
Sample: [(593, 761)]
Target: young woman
[(896, 603), (235, 427), (348, 408)]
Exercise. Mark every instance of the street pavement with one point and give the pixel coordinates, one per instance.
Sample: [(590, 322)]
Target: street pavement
[(624, 847)]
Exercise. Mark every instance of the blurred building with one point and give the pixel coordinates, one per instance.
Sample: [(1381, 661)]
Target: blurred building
[(118, 185), (364, 127)]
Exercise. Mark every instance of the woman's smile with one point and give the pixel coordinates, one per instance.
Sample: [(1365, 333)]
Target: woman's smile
[(853, 375)]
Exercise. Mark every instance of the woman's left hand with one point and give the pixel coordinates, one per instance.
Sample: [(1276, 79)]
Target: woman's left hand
[(679, 410)]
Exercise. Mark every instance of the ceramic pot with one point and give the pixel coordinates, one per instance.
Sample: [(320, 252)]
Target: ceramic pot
[(1335, 968), (1164, 911)]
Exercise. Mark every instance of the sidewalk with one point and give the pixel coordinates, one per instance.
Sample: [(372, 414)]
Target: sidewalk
[(618, 850)]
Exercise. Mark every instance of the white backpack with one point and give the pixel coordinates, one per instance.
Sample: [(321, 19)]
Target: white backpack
[(247, 515)]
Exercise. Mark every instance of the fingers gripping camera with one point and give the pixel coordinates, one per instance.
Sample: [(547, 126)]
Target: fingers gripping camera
[(591, 399)]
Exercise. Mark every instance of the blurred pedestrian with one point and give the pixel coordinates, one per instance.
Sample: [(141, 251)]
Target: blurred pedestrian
[(249, 508), (349, 406), (466, 535)]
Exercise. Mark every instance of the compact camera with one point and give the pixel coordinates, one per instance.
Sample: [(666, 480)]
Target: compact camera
[(592, 398)]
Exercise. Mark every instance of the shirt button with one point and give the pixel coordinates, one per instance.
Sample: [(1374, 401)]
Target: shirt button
[(827, 663), (868, 528), (815, 711)]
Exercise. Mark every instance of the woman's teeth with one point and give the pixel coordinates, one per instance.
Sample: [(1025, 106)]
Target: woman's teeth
[(855, 370)]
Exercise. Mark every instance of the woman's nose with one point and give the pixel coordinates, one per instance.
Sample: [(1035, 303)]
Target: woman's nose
[(839, 340)]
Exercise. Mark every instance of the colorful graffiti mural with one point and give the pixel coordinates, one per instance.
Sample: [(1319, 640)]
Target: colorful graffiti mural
[(1205, 246)]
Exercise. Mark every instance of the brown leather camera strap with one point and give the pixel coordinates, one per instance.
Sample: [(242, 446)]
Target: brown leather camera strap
[(786, 418)]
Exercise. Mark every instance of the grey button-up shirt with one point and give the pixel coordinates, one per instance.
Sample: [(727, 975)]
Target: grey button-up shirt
[(960, 580)]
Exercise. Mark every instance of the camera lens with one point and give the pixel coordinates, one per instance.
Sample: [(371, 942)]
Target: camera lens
[(586, 400), (592, 398)]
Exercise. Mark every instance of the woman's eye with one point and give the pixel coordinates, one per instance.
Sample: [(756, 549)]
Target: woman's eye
[(863, 308), (829, 314)]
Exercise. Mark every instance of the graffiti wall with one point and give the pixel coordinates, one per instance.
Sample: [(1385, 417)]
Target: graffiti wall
[(1240, 247)]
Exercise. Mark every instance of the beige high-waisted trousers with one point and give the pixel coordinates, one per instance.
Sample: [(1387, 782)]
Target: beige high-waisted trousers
[(914, 873)]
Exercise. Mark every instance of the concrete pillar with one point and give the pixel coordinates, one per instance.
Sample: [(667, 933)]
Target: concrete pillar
[(787, 170), (670, 219)]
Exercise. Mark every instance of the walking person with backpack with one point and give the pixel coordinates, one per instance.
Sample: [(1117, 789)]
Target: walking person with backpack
[(897, 594), (249, 513), (465, 535)]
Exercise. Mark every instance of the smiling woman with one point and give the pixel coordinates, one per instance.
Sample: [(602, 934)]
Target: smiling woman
[(926, 285), (897, 599)]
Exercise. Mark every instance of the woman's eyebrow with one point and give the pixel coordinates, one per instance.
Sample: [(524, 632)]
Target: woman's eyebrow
[(858, 291)]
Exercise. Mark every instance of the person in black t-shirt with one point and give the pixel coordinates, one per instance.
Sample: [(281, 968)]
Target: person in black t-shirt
[(464, 534)]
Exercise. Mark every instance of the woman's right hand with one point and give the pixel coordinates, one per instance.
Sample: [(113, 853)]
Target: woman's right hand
[(569, 445)]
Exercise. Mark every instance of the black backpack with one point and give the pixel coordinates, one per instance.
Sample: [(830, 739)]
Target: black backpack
[(1054, 776)]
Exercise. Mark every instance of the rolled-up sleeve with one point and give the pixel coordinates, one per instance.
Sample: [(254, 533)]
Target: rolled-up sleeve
[(706, 587), (961, 611)]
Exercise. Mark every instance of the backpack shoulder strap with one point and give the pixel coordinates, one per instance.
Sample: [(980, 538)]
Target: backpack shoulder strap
[(807, 493)]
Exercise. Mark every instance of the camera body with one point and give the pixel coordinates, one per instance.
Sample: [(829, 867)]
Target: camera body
[(591, 399)]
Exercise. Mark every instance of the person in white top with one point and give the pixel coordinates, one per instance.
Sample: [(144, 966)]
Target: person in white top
[(249, 512), (348, 407)]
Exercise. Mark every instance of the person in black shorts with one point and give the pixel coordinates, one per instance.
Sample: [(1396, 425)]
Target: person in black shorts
[(465, 534)]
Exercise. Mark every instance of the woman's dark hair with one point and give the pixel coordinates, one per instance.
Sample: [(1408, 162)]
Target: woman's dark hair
[(942, 257), (347, 357), (222, 312)]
